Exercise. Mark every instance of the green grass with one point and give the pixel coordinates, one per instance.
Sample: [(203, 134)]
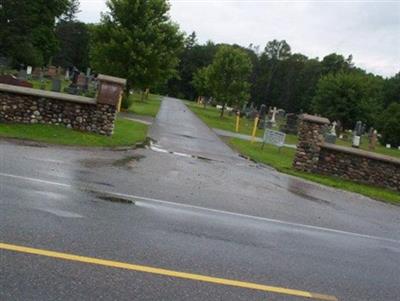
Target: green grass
[(147, 107), (126, 133), (37, 84), (211, 117), (378, 149), (282, 161)]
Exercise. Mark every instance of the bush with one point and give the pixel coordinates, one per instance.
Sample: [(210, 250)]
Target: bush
[(126, 102), (389, 125)]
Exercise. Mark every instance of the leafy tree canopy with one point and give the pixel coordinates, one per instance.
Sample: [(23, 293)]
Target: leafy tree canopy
[(228, 76), (27, 30), (136, 40)]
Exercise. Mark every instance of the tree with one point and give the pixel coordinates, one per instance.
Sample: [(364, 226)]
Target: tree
[(27, 30), (334, 63), (193, 58), (389, 125), (71, 11), (136, 40), (392, 90), (348, 97), (73, 39), (201, 82), (228, 76)]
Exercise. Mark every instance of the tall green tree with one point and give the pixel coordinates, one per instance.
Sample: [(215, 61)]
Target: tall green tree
[(73, 37), (27, 30), (71, 11), (392, 90), (228, 76), (389, 125), (348, 97), (137, 40), (201, 82)]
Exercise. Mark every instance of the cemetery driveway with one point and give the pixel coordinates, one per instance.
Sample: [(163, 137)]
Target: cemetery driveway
[(189, 204)]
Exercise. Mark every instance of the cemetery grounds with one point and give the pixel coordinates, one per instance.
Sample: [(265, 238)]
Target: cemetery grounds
[(282, 159)]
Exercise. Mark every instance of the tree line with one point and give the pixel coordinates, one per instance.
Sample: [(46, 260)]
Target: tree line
[(137, 40)]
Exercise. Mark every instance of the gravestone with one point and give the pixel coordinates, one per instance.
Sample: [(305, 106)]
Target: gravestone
[(262, 114), (330, 137), (51, 71), (357, 134), (373, 139), (88, 71), (37, 73), (56, 85), (82, 82), (273, 117), (291, 126), (29, 71), (66, 74), (22, 74)]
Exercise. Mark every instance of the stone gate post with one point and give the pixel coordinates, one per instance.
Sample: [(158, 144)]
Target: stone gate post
[(310, 134)]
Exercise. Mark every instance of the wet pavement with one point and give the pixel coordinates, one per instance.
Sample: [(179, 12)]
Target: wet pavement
[(211, 213)]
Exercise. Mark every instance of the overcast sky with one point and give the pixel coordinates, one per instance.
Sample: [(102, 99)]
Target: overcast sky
[(369, 30)]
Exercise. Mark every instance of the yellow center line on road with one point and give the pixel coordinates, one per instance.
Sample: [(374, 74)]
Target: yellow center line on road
[(165, 272)]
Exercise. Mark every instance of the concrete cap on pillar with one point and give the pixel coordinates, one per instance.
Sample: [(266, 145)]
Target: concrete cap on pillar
[(315, 119)]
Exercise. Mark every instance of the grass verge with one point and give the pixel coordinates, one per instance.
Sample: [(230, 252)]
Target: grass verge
[(147, 107), (282, 161), (126, 133)]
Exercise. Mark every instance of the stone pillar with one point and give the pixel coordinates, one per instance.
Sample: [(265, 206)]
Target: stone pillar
[(310, 134), (110, 90)]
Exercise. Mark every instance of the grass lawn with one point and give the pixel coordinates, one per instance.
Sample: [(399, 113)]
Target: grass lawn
[(283, 162), (47, 84), (126, 133), (148, 107), (210, 116)]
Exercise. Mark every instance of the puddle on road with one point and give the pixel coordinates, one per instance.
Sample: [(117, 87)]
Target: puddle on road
[(128, 161), (303, 190), (111, 198)]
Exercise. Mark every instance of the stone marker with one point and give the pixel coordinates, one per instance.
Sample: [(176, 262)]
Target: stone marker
[(82, 82), (22, 74), (29, 70), (51, 71), (372, 140), (357, 134), (292, 121), (56, 85), (273, 117), (263, 113)]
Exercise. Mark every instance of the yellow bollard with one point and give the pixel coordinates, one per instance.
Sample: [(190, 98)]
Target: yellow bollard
[(237, 121), (253, 134)]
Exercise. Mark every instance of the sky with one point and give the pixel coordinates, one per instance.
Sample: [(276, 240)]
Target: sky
[(369, 30)]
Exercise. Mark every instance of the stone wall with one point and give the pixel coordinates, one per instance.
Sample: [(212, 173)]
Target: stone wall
[(31, 106), (358, 165), (313, 155)]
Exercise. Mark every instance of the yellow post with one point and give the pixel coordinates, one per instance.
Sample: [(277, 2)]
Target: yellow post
[(237, 121), (253, 134)]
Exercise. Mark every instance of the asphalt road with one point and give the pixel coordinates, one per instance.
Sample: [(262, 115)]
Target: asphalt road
[(189, 204)]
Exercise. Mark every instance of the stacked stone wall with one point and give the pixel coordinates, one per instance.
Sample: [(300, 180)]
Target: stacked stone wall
[(83, 114), (313, 155)]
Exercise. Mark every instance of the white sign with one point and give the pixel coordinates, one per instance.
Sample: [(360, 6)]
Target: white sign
[(274, 137)]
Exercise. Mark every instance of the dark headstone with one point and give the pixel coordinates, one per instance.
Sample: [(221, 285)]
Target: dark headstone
[(22, 74), (56, 85), (329, 138), (291, 125), (263, 113)]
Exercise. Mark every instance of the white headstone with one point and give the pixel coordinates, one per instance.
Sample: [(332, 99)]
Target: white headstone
[(29, 70), (388, 146), (274, 111), (67, 74), (333, 129)]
